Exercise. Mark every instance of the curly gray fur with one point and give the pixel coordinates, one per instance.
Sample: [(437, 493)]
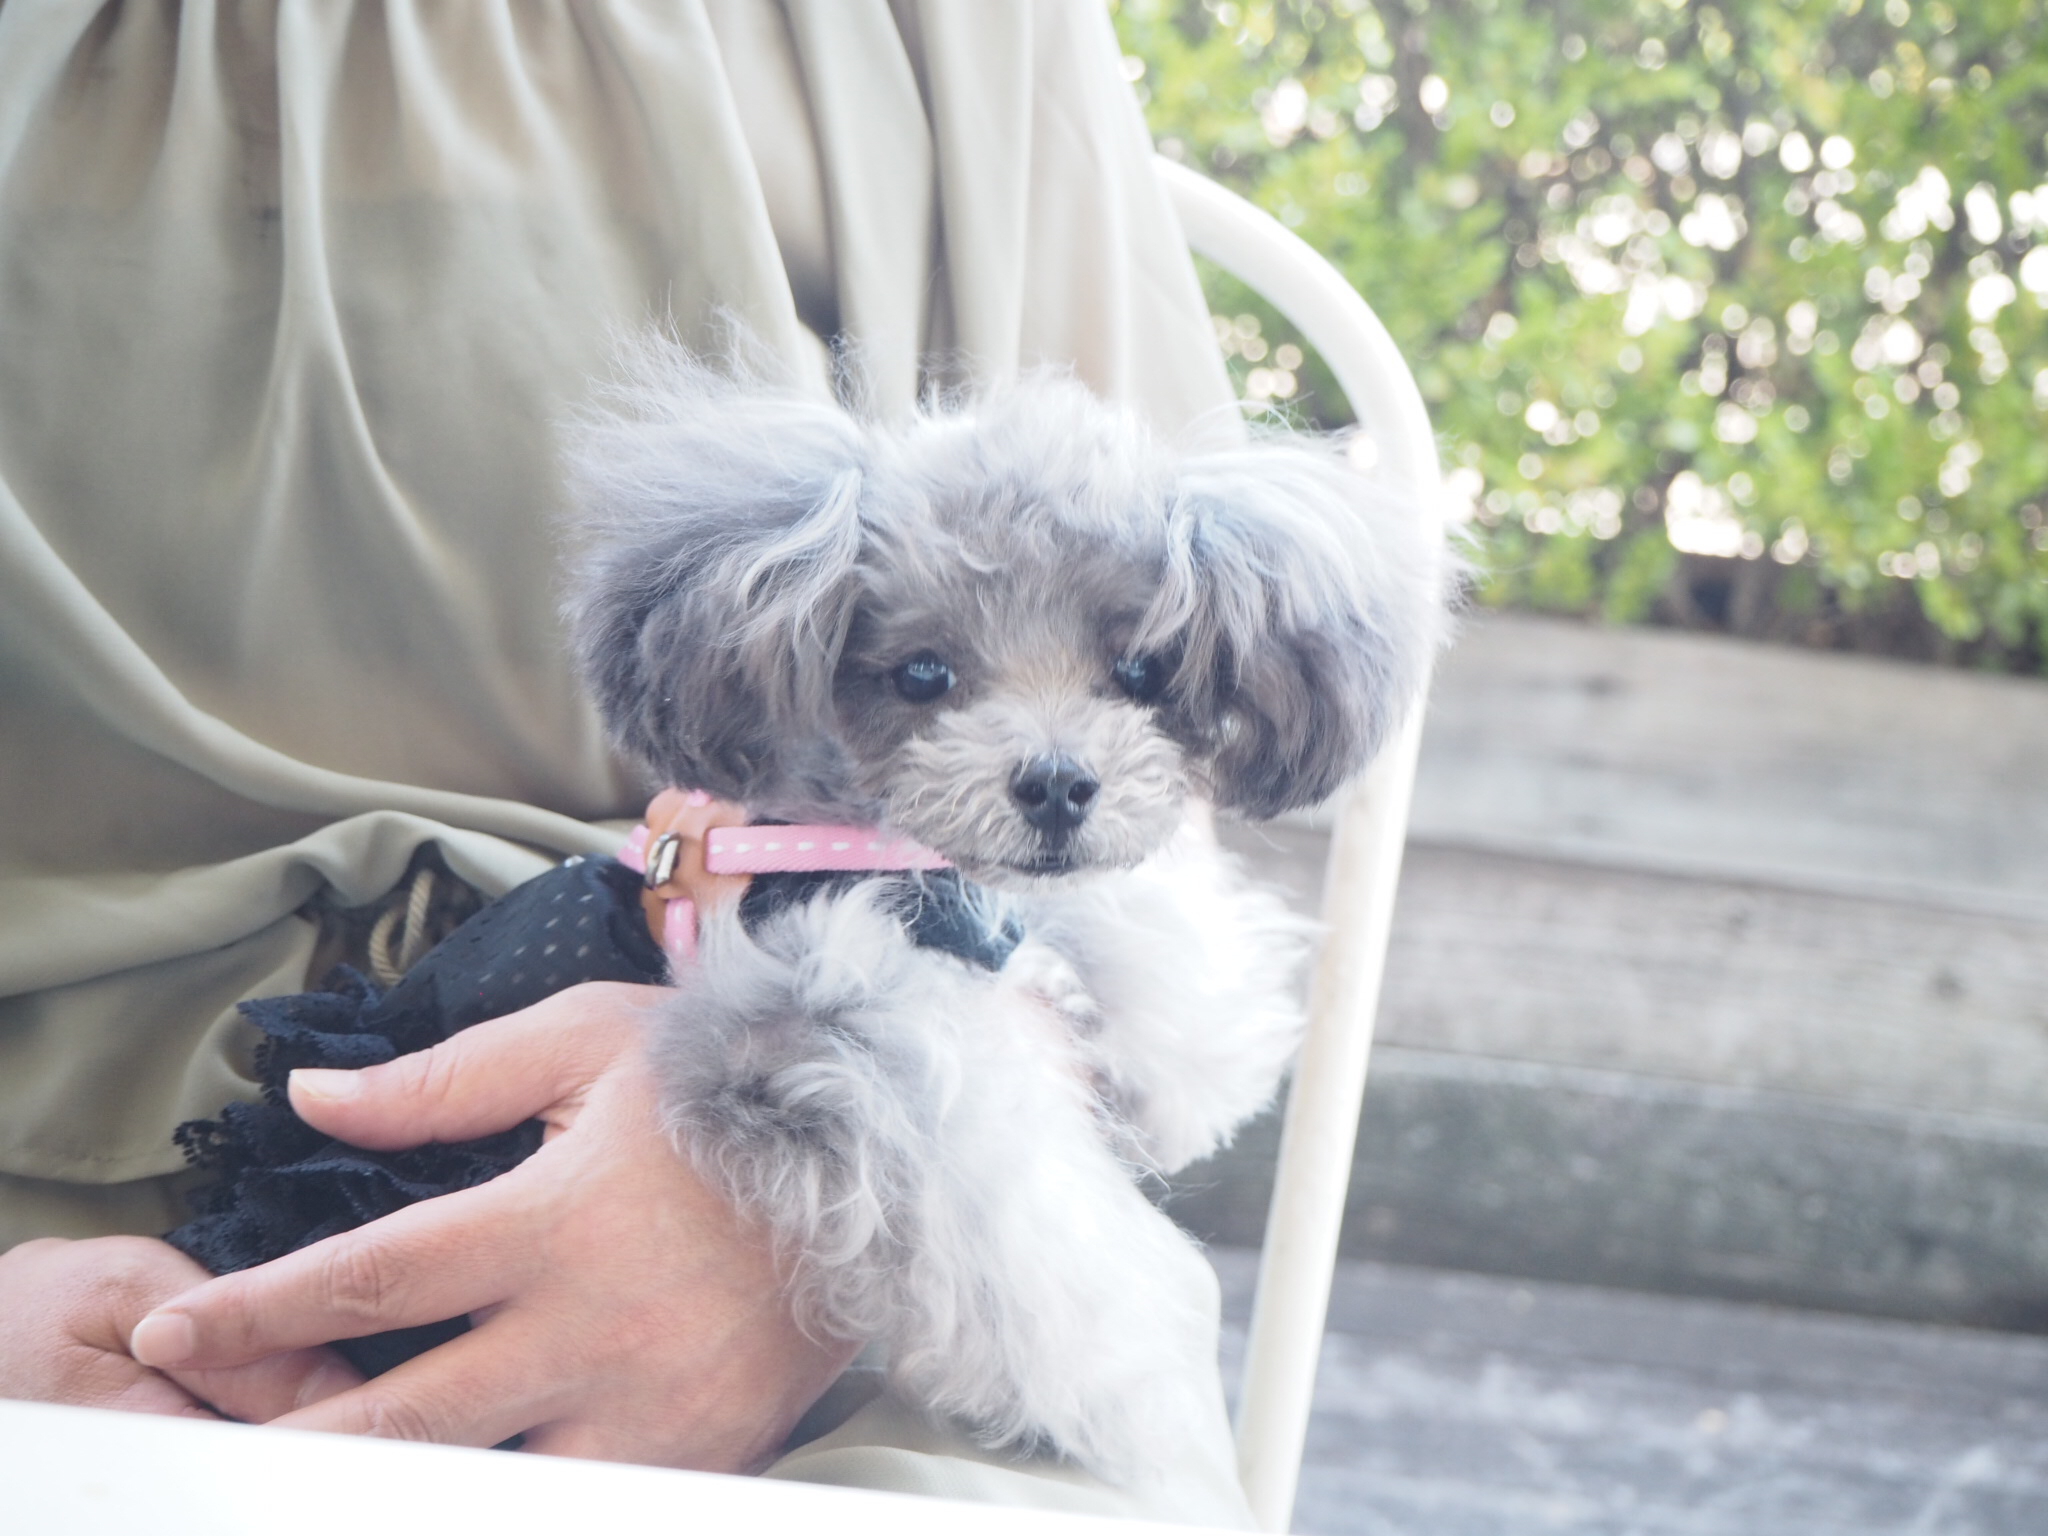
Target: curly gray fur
[(946, 1156)]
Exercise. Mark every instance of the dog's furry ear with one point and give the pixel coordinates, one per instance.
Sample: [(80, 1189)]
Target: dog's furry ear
[(1301, 607), (716, 581)]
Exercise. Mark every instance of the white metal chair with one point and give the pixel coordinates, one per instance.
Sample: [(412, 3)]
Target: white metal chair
[(1369, 829)]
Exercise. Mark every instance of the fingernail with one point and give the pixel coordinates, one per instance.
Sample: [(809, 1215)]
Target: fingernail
[(325, 1083), (696, 797), (164, 1338)]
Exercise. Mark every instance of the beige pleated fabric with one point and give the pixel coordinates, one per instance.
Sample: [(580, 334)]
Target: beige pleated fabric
[(292, 295)]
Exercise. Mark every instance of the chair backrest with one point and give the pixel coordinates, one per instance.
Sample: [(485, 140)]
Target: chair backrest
[(1369, 829)]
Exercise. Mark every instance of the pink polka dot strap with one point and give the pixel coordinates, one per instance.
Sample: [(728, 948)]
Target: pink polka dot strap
[(766, 851), (791, 850), (783, 850)]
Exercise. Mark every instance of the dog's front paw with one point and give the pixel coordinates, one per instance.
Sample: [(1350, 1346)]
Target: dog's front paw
[(1046, 977)]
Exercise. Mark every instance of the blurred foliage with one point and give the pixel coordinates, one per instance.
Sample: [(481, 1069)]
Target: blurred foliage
[(1733, 314)]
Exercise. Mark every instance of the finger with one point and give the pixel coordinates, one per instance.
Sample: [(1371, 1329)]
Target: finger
[(442, 1258), (151, 1393), (276, 1385), (709, 1449), (479, 1389), (578, 1441), (486, 1079)]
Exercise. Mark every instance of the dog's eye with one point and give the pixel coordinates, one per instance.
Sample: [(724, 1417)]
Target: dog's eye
[(922, 678), (1142, 677)]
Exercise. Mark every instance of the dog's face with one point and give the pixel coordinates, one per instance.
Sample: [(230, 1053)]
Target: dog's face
[(1004, 710), (1021, 634)]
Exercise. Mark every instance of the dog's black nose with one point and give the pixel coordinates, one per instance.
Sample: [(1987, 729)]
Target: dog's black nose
[(1054, 793)]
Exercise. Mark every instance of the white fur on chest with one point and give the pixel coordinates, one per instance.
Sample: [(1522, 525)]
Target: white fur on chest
[(949, 1156)]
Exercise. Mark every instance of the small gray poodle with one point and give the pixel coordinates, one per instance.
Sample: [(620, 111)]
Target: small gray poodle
[(1025, 633)]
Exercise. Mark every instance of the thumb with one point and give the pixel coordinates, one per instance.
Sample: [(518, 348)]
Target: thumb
[(271, 1387), (488, 1078)]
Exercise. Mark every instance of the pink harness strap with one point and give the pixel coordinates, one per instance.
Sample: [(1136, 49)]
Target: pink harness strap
[(774, 851), (634, 853), (788, 850)]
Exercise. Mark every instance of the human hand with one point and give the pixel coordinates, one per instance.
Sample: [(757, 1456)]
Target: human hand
[(624, 1311), (70, 1306)]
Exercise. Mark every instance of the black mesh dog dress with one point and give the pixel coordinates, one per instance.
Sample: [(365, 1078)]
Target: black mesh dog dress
[(281, 1184)]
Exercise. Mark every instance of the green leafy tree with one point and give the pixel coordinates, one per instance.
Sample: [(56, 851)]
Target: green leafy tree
[(1727, 314)]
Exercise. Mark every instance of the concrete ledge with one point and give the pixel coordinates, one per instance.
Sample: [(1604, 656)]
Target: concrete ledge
[(1462, 1405), (1716, 981), (1718, 969), (1653, 750), (1618, 1179)]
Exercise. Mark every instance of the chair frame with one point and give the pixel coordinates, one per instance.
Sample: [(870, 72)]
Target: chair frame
[(1369, 829)]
